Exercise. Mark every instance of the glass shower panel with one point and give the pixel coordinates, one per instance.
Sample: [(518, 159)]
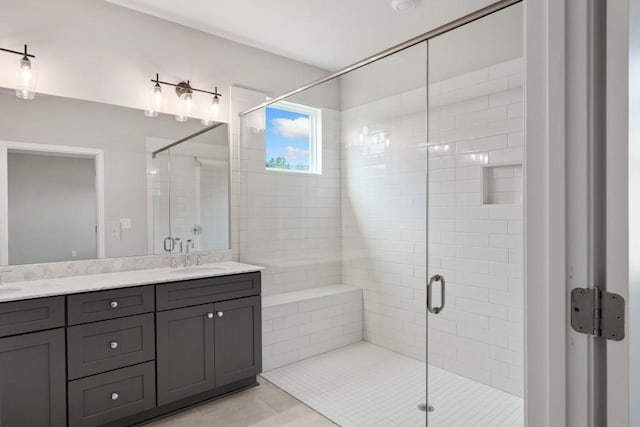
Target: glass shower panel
[(384, 216), (290, 185), (343, 238), (475, 134), (199, 191)]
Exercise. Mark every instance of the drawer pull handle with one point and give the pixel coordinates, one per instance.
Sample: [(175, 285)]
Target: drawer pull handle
[(114, 396), (210, 315), (114, 304), (114, 344), (220, 314)]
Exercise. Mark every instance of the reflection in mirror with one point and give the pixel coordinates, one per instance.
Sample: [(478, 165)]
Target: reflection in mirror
[(190, 192), (37, 183), (78, 180)]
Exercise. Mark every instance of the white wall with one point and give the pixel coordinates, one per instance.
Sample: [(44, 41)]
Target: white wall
[(290, 222), (91, 49), (483, 43)]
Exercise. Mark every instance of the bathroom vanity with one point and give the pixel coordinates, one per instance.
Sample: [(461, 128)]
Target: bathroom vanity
[(123, 348)]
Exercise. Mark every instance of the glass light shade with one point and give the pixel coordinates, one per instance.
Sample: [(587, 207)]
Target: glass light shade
[(186, 104), (212, 112), (155, 101), (26, 87)]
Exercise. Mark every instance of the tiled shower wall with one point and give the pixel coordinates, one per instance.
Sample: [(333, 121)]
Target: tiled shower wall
[(289, 222), (475, 234), (195, 196)]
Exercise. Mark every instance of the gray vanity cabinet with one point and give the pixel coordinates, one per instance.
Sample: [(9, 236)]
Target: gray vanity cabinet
[(238, 339), (185, 353), (125, 356), (33, 380)]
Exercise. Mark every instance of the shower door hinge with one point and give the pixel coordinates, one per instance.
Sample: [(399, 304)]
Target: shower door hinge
[(598, 313)]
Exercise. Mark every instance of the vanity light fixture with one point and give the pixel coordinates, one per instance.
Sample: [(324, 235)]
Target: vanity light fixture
[(26, 87), (184, 91)]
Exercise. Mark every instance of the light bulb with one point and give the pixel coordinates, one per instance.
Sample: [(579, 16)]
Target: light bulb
[(26, 80)]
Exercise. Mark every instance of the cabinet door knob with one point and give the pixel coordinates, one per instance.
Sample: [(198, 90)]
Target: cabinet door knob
[(220, 314), (114, 344), (114, 396), (210, 315), (114, 304)]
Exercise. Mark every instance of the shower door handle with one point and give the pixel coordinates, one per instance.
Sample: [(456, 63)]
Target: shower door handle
[(430, 307)]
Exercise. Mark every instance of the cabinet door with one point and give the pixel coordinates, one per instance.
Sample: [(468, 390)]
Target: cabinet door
[(184, 352), (32, 380), (238, 340)]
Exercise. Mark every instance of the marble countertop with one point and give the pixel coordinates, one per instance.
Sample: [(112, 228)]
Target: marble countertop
[(97, 282)]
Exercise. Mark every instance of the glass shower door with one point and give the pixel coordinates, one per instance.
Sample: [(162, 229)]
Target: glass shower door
[(199, 192), (475, 194)]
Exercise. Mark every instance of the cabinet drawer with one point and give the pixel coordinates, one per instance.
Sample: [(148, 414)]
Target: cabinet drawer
[(107, 397), (207, 290), (31, 315), (94, 306), (110, 344)]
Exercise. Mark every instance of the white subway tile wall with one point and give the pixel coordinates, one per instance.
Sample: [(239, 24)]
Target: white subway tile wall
[(300, 324), (196, 194), (475, 221), (290, 222)]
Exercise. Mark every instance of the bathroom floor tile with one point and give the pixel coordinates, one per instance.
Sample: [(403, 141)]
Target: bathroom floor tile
[(366, 385), (263, 406)]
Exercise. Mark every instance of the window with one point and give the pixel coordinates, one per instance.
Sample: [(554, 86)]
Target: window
[(293, 138)]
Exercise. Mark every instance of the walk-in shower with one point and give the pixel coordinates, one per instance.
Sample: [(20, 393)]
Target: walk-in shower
[(360, 192)]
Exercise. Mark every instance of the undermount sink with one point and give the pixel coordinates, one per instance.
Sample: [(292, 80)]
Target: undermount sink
[(199, 269), (8, 290)]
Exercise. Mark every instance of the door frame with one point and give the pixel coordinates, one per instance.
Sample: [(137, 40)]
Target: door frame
[(623, 205), (560, 366), (545, 207), (97, 154)]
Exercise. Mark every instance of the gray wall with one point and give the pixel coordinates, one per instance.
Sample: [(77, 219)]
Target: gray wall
[(90, 49), (52, 208)]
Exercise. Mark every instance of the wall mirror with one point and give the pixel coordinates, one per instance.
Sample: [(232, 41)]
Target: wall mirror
[(82, 180)]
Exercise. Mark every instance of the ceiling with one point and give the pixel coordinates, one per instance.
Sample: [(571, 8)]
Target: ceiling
[(329, 34)]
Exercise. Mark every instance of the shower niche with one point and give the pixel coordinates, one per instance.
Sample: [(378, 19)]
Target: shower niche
[(502, 184)]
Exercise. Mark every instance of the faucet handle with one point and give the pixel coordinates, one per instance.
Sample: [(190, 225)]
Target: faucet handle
[(177, 240)]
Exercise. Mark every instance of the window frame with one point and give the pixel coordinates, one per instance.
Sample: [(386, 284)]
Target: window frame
[(315, 136)]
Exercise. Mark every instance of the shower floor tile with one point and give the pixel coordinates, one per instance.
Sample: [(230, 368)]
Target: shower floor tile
[(366, 385)]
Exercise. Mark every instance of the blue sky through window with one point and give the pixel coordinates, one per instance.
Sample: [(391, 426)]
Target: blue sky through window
[(287, 139)]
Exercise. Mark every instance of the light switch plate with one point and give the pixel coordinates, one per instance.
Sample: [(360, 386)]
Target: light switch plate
[(125, 223)]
